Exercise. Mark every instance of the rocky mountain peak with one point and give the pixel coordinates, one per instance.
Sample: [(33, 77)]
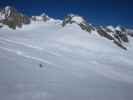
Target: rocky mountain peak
[(43, 17), (119, 35), (72, 18), (7, 12), (12, 18)]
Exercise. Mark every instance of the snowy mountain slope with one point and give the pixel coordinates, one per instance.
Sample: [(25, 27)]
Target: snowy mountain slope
[(14, 19), (44, 60), (76, 65)]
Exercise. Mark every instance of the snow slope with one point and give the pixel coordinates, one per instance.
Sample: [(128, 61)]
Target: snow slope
[(76, 65)]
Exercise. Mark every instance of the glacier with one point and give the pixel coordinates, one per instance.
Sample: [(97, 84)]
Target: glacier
[(77, 65)]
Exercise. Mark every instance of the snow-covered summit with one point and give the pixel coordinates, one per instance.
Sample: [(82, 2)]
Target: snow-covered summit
[(42, 17), (72, 18), (76, 19), (44, 60), (12, 18)]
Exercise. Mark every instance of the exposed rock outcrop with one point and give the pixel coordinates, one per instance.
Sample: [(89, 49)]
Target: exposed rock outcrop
[(11, 17), (71, 18)]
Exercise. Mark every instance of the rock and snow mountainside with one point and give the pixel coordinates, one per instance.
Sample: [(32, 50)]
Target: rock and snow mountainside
[(119, 35), (12, 18), (65, 60), (43, 17)]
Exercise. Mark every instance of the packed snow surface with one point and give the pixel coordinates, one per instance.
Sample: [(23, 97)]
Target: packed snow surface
[(44, 61), (77, 19)]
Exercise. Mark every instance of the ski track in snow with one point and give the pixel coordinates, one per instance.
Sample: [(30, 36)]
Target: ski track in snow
[(26, 56), (25, 45), (76, 66), (109, 73), (20, 43)]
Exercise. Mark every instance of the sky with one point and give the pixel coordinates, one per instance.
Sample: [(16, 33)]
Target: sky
[(98, 12)]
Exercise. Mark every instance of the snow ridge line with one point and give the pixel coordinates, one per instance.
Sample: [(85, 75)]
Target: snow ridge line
[(27, 45), (23, 44), (26, 56)]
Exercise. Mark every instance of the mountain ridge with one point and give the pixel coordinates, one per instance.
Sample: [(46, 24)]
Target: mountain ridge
[(118, 35)]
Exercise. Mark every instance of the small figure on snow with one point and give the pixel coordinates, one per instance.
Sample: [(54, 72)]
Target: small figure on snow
[(40, 65)]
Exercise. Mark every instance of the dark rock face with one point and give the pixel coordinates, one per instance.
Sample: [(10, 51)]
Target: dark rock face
[(13, 18), (1, 26), (83, 24), (121, 36), (120, 45), (42, 17), (45, 18), (103, 33), (117, 36), (33, 18), (26, 20), (87, 27), (67, 19)]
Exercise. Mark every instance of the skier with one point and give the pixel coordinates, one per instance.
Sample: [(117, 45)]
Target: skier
[(40, 65)]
